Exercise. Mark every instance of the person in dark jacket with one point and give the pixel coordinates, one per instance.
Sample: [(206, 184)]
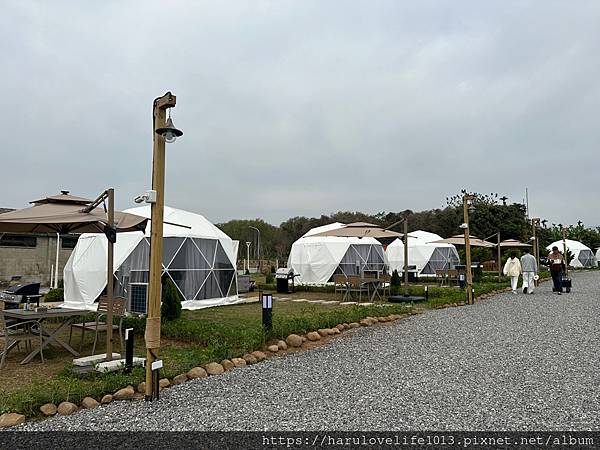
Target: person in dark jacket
[(557, 265)]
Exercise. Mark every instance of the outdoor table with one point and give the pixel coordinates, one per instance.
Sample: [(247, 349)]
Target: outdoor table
[(372, 283), (48, 336)]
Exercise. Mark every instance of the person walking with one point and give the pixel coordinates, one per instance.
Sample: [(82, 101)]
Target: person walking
[(529, 268), (512, 268), (557, 265)]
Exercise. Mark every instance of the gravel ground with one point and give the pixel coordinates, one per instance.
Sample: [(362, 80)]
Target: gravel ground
[(513, 362)]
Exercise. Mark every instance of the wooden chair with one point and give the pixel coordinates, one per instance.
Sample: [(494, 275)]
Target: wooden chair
[(355, 285), (341, 285), (14, 333), (440, 276), (452, 276), (98, 326), (386, 284)]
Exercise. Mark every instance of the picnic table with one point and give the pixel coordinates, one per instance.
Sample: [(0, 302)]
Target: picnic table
[(49, 336)]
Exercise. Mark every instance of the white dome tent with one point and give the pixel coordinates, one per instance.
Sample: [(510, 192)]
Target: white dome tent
[(582, 254), (598, 255), (197, 256), (317, 258), (422, 253)]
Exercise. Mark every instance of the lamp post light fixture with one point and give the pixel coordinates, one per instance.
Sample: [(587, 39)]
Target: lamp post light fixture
[(247, 257), (468, 206), (535, 224), (403, 221), (163, 131), (565, 254), (257, 247)]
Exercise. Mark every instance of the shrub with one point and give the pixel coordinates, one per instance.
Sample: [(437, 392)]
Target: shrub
[(171, 301), (272, 269), (395, 283), (55, 295), (270, 279)]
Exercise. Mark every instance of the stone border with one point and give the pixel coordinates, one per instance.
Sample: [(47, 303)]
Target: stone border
[(292, 343)]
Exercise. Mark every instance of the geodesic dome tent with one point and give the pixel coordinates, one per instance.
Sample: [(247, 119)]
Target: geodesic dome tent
[(582, 254), (422, 253), (197, 256), (317, 258)]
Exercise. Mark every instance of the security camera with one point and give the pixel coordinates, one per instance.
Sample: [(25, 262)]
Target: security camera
[(148, 197), (464, 226)]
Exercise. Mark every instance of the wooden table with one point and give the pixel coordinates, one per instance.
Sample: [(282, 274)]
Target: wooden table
[(373, 283), (48, 336)]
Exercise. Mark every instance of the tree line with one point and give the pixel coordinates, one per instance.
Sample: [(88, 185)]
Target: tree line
[(488, 215)]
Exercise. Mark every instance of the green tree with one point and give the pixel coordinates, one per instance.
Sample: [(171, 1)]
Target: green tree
[(171, 300)]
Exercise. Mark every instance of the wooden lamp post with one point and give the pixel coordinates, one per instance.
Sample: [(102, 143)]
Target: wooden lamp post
[(162, 131), (467, 203)]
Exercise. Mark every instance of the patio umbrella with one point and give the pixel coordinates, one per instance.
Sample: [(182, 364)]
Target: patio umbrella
[(511, 243), (363, 229), (66, 213), (459, 239)]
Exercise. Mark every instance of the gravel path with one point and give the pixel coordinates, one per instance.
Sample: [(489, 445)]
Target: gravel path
[(511, 362)]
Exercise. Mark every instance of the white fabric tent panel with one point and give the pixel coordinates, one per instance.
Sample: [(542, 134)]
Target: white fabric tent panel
[(324, 228), (420, 251), (200, 227), (315, 258), (85, 271)]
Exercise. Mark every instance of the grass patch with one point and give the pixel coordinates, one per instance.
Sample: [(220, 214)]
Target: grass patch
[(214, 334)]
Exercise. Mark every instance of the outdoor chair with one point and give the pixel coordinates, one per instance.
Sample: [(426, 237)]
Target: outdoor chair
[(452, 276), (340, 283), (386, 284), (355, 285), (98, 326), (13, 333), (440, 276)]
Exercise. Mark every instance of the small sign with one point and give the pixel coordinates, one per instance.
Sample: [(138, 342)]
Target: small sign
[(127, 330), (267, 301), (157, 364)]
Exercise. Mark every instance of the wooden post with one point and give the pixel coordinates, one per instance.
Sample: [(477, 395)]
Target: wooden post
[(466, 199), (566, 255), (499, 258), (110, 277), (405, 257), (152, 336), (536, 247)]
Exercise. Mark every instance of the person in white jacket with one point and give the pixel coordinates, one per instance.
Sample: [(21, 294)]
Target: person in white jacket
[(512, 268)]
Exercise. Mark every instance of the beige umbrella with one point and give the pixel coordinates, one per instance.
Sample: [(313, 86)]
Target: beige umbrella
[(513, 243), (459, 239), (66, 213), (362, 229)]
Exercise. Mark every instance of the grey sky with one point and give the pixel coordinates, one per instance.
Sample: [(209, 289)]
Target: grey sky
[(306, 107)]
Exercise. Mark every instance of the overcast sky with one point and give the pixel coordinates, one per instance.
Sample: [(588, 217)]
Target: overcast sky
[(305, 107)]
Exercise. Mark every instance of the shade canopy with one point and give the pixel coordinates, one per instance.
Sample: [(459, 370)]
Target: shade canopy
[(64, 214), (361, 230), (511, 243), (459, 239)]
